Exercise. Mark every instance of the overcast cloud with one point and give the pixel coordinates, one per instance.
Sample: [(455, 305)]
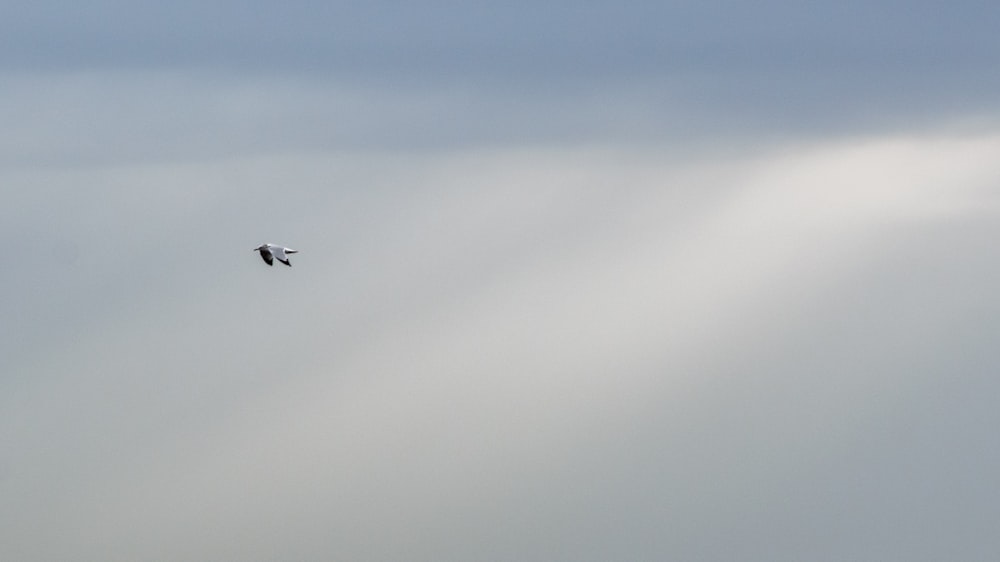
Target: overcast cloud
[(578, 281)]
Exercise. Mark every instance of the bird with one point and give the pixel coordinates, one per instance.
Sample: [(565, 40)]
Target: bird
[(268, 253)]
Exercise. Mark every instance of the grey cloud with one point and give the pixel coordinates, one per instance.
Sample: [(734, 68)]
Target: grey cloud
[(100, 118), (775, 66), (644, 35), (105, 117)]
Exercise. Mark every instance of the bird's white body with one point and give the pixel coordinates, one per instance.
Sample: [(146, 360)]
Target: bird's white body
[(271, 252)]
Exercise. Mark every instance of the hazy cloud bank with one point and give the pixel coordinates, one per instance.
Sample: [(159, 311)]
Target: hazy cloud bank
[(527, 354)]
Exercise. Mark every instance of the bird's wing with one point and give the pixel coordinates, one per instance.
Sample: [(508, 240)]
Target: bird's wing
[(265, 254), (279, 254)]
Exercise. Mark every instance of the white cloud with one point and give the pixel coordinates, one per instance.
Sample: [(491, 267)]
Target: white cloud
[(558, 354)]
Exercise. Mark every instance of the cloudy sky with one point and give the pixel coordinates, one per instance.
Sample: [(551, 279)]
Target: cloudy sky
[(578, 281)]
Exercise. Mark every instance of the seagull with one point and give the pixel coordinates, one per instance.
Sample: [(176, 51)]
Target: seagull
[(268, 252)]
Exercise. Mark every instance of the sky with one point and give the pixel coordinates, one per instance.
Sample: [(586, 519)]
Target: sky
[(576, 281)]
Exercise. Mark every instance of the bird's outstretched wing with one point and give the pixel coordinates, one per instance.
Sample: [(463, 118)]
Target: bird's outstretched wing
[(279, 254), (265, 255)]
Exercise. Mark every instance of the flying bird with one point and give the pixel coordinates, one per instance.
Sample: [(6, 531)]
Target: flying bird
[(270, 252)]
